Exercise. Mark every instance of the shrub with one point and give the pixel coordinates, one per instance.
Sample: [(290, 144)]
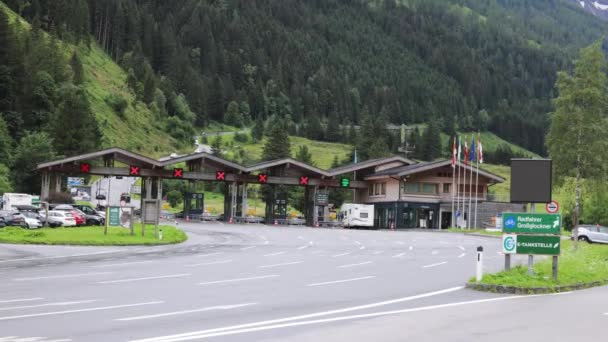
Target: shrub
[(60, 198), (241, 137), (118, 104)]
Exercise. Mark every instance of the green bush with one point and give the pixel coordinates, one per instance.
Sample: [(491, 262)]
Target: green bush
[(118, 104), (241, 137)]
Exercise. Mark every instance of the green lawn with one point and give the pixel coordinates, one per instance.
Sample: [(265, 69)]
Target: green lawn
[(589, 264), (90, 236)]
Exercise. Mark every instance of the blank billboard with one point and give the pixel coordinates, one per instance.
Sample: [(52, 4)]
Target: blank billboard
[(531, 180)]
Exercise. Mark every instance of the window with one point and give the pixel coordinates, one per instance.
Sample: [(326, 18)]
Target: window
[(447, 188), (429, 188), (411, 187), (363, 215), (383, 188), (377, 189), (371, 190)]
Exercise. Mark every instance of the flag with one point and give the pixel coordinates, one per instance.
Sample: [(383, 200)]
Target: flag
[(479, 149), (459, 148), (472, 150), (454, 153), (466, 152), (355, 157)]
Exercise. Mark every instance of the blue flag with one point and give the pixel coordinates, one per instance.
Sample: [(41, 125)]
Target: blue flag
[(473, 149)]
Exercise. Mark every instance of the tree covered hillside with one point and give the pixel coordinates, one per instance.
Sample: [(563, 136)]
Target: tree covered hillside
[(470, 64)]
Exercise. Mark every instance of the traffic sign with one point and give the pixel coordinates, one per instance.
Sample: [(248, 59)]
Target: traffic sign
[(114, 217), (552, 207), (178, 172), (322, 199), (303, 180), (85, 167), (75, 181), (134, 170), (528, 223), (531, 244), (344, 182), (262, 178), (220, 175)]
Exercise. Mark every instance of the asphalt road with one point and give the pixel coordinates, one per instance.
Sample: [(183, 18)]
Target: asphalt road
[(261, 283)]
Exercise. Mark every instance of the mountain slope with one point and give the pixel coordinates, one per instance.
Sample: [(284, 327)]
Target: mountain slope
[(598, 8)]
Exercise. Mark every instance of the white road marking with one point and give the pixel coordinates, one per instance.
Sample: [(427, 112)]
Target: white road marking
[(209, 254), (434, 265), (246, 248), (341, 281), (311, 243), (353, 265), (238, 279), (20, 300), (462, 248), (47, 304), (362, 247), (400, 242), (317, 252), (499, 253), (235, 330), (398, 255), (274, 254), (266, 242), (144, 278), (443, 243), (462, 255), (79, 310), (175, 313), (339, 255), (301, 237), (209, 263), (434, 252), (63, 276), (303, 247), (411, 248), (178, 337), (283, 264), (61, 256), (378, 252), (30, 339), (124, 264), (357, 242)]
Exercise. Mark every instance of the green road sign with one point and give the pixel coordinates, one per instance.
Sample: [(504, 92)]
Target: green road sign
[(344, 182), (531, 244), (531, 223), (114, 219)]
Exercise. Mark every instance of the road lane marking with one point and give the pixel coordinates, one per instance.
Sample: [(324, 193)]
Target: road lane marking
[(398, 255), (362, 247), (400, 242), (209, 263), (357, 242), (62, 256), (301, 237), (20, 300), (357, 264), (462, 248), (209, 254), (238, 279), (378, 252), (434, 265), (175, 313), (177, 337), (124, 264), (434, 252), (144, 278), (411, 248), (339, 255), (274, 254), (282, 264), (61, 276), (462, 255), (246, 248), (341, 281), (79, 310), (303, 247), (30, 339), (266, 242), (47, 304), (234, 330)]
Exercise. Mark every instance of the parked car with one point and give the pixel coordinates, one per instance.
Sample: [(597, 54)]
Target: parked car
[(89, 210), (62, 218), (32, 220), (592, 233), (79, 216), (13, 218), (2, 222)]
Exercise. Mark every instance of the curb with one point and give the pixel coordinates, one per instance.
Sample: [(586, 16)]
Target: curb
[(483, 235), (533, 290)]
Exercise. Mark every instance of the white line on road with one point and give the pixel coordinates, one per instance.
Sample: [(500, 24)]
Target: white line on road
[(411, 248), (301, 237), (175, 313), (357, 242), (209, 254), (434, 252), (61, 256), (144, 278), (237, 279), (398, 255), (234, 330), (209, 263), (63, 276), (179, 337), (434, 265), (400, 242), (302, 247), (47, 304), (341, 281), (499, 253), (283, 264), (462, 248), (462, 255), (362, 247), (353, 265), (20, 300), (246, 248), (124, 264), (378, 252), (339, 255), (266, 242), (79, 310), (274, 254)]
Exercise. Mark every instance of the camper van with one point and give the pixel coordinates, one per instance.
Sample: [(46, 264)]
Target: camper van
[(357, 215), (11, 201)]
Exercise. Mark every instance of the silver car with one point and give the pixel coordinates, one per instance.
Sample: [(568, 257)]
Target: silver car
[(592, 233)]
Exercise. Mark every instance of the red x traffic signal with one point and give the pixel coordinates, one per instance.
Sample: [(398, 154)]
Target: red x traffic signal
[(133, 170), (220, 175), (262, 178), (178, 172), (85, 168), (303, 180)]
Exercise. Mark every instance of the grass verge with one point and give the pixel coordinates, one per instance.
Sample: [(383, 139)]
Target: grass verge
[(589, 264), (91, 236)]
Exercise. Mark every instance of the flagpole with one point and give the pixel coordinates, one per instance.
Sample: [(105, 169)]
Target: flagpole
[(479, 158), (458, 181), (453, 177), (472, 148)]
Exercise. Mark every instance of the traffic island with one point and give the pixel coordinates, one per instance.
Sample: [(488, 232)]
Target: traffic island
[(585, 268), (92, 236)]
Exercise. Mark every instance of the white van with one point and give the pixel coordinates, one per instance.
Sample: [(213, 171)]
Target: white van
[(10, 201), (357, 215)]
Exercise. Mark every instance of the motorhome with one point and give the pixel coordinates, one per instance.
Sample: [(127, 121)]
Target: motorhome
[(357, 215), (10, 201)]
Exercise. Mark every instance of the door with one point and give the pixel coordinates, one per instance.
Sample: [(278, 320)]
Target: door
[(603, 235), (446, 219)]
